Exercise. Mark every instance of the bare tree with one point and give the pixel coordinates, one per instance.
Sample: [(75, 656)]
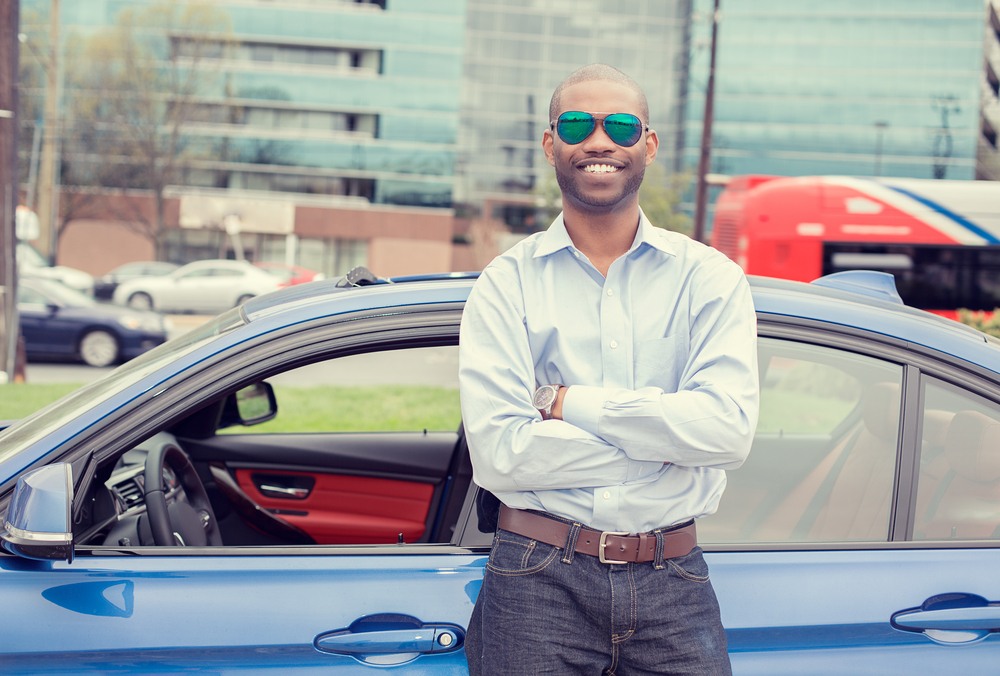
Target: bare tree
[(138, 84)]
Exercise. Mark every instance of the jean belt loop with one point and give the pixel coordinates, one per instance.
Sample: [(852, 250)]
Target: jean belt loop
[(658, 563), (570, 547)]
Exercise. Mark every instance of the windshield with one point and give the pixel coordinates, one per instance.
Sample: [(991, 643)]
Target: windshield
[(26, 255), (76, 404), (63, 294)]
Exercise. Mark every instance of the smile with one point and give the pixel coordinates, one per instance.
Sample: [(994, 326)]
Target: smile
[(601, 169)]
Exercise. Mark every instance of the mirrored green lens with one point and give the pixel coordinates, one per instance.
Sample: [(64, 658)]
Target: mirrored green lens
[(574, 127), (623, 129)]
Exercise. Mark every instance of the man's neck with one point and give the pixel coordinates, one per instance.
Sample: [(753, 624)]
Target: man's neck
[(602, 237)]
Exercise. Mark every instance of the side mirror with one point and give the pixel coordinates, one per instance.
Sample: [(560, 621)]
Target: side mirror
[(38, 523), (251, 405)]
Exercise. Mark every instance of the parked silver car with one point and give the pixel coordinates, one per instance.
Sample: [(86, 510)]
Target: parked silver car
[(209, 286)]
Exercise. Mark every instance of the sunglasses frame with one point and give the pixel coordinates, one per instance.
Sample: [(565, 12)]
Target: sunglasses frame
[(554, 125)]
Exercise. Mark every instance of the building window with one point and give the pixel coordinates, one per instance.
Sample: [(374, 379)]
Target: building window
[(332, 256), (368, 60), (346, 186), (989, 133), (272, 117), (992, 80)]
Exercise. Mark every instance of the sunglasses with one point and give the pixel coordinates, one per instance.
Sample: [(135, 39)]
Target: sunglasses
[(622, 128)]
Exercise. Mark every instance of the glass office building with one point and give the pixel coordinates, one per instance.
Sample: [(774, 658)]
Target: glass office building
[(347, 110), (321, 97), (855, 87), (518, 51)]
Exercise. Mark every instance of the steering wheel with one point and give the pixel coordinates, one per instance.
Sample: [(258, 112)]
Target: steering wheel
[(190, 523)]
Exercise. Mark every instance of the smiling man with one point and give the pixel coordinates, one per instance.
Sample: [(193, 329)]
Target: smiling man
[(608, 379)]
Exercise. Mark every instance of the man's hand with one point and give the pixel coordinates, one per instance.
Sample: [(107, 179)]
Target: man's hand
[(557, 407)]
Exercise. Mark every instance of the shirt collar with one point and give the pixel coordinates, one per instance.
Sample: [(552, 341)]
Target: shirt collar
[(556, 238)]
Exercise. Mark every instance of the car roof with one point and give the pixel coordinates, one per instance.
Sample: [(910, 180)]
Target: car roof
[(847, 303)]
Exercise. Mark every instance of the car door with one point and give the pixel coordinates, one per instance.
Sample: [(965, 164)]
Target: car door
[(821, 551), (349, 608)]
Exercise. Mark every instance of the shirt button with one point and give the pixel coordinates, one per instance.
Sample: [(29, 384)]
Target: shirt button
[(607, 495), (610, 292), (614, 344)]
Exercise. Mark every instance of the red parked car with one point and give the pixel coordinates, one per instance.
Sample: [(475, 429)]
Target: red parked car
[(291, 274)]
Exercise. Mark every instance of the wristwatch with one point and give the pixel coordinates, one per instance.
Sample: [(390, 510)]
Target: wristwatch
[(545, 397)]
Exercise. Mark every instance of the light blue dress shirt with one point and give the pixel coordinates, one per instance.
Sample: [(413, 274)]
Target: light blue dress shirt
[(660, 359)]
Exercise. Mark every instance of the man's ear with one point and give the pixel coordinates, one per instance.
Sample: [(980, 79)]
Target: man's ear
[(652, 144), (547, 142)]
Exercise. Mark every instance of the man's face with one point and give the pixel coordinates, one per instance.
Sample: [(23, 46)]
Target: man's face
[(598, 174)]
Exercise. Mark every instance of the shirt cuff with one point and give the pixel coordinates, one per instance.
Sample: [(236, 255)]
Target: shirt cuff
[(582, 407)]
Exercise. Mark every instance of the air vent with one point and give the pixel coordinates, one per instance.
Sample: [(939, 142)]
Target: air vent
[(130, 493)]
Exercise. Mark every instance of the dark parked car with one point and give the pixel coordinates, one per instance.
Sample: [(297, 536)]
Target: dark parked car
[(150, 531), (104, 286), (60, 322)]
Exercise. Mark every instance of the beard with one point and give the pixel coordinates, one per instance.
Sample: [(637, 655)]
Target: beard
[(571, 188)]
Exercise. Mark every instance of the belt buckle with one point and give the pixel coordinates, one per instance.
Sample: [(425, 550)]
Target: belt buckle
[(604, 543)]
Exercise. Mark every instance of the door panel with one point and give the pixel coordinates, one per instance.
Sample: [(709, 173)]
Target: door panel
[(128, 615), (828, 612), (341, 509), (351, 488)]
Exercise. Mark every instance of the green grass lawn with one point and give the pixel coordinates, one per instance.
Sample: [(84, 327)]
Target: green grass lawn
[(18, 400), (302, 409), (394, 408)]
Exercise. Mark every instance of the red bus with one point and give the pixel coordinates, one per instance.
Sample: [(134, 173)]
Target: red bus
[(939, 239)]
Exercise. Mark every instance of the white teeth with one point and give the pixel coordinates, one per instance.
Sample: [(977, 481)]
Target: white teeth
[(600, 168)]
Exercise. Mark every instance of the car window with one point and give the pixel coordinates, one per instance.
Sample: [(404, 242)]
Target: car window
[(823, 459), (201, 272), (407, 390), (958, 488)]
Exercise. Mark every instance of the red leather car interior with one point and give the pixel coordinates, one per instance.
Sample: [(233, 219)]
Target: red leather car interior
[(341, 509)]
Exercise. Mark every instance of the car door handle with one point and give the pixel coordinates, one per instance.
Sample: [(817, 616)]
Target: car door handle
[(951, 618), (297, 493), (391, 633)]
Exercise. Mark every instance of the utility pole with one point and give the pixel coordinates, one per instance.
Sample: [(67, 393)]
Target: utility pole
[(701, 200), (47, 170), (9, 45)]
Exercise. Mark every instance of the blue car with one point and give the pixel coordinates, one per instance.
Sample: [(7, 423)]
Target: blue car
[(180, 515), (58, 322)]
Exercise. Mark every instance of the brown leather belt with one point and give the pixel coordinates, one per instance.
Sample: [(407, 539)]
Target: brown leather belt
[(608, 546)]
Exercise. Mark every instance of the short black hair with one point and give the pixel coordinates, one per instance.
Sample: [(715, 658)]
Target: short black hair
[(599, 71)]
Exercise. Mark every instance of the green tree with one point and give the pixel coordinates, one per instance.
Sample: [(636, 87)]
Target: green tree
[(660, 199)]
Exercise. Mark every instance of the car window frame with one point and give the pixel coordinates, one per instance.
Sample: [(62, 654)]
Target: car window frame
[(429, 325)]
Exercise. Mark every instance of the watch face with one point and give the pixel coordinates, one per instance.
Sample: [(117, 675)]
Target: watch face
[(544, 397)]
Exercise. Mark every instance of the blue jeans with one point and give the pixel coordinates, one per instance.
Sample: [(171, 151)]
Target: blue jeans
[(549, 610)]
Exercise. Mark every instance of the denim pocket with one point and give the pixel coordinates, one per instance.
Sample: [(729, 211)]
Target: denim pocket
[(691, 566), (514, 554)]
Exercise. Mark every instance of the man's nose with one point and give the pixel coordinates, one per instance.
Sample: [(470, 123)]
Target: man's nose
[(598, 141)]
